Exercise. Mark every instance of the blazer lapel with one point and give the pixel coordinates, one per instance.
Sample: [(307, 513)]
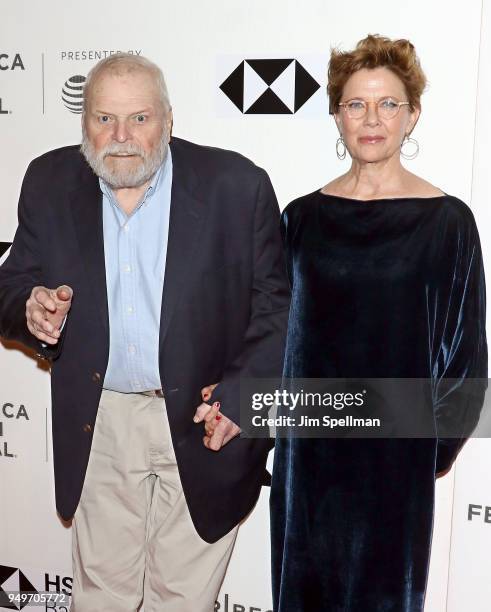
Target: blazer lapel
[(86, 204), (187, 213)]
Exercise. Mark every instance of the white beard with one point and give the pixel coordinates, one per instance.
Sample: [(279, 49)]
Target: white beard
[(125, 177)]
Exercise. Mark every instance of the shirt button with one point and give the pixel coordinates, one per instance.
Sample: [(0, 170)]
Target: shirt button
[(87, 428), (127, 268), (130, 309), (131, 349), (126, 228)]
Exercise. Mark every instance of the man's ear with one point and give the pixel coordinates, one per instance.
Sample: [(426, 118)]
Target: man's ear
[(169, 121)]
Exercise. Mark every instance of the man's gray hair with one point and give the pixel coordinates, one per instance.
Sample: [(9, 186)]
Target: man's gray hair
[(124, 63)]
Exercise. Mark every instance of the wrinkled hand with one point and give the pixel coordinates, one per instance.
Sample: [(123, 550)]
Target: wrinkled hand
[(46, 310), (219, 429)]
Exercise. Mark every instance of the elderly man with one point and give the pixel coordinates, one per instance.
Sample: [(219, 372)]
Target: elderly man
[(145, 271)]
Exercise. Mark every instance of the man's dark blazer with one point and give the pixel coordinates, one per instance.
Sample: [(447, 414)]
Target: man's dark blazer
[(224, 313)]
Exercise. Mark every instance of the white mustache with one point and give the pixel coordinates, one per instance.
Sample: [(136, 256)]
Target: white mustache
[(129, 149)]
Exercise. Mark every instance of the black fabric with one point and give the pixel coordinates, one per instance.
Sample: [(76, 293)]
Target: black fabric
[(224, 312), (383, 288)]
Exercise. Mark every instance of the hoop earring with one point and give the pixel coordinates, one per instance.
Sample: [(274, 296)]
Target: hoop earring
[(340, 148), (413, 142)]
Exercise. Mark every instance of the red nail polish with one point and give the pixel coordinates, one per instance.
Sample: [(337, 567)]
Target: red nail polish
[(216, 405), (218, 417)]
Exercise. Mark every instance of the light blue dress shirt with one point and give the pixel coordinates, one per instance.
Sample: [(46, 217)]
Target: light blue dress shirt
[(135, 248)]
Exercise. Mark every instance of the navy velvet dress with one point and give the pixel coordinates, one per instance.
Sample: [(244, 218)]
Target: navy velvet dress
[(388, 288)]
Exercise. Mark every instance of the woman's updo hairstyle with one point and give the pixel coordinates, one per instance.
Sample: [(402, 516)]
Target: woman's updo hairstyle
[(375, 51)]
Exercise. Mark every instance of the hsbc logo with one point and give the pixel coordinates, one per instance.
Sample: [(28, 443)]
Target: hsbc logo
[(269, 86), (17, 591), (13, 580)]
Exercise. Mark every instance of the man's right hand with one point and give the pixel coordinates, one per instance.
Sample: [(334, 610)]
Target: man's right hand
[(46, 310)]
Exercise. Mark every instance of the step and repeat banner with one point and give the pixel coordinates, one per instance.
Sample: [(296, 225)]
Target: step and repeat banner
[(222, 96)]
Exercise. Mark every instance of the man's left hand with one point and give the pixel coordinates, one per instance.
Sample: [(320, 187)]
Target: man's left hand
[(219, 429)]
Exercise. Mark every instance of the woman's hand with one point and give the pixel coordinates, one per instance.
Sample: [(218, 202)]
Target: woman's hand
[(219, 429)]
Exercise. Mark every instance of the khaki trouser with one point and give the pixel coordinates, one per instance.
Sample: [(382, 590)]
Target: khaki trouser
[(133, 538)]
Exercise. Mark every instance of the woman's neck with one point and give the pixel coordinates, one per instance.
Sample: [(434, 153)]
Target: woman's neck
[(374, 180)]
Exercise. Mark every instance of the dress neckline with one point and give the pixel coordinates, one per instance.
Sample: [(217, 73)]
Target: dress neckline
[(374, 200)]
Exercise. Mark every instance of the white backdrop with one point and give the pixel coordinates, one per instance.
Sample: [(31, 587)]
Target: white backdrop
[(198, 44)]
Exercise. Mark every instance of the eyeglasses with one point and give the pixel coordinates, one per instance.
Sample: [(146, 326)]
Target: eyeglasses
[(387, 108)]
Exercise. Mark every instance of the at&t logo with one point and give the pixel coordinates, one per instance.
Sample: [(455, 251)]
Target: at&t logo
[(72, 93)]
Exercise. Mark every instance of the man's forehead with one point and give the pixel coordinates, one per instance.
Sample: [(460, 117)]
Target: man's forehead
[(129, 88), (140, 79), (148, 99)]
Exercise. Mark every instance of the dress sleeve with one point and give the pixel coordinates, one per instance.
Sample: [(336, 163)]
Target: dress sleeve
[(456, 303)]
